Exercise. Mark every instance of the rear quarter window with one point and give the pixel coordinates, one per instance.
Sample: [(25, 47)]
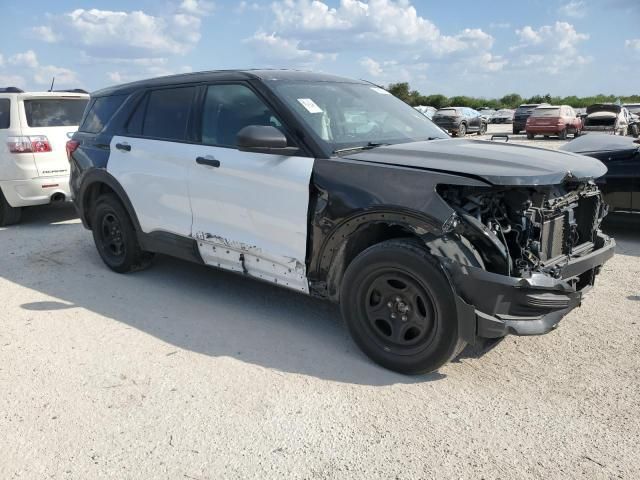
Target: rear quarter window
[(54, 112), (5, 113), (100, 112)]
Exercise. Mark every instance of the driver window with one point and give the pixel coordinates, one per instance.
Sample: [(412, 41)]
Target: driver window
[(228, 109)]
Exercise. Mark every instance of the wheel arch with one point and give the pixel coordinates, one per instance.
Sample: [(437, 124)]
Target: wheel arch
[(359, 232), (95, 183)]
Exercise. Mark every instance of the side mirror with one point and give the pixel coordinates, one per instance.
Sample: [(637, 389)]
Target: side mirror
[(263, 139)]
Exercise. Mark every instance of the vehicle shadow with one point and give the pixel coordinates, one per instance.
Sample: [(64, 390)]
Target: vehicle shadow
[(189, 306)]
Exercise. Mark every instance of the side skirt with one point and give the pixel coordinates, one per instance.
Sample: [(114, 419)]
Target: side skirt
[(170, 244)]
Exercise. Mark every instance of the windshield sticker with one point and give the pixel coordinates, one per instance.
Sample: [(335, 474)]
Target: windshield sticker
[(310, 105), (379, 90)]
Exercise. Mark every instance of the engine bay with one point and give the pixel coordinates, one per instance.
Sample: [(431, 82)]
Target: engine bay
[(521, 230)]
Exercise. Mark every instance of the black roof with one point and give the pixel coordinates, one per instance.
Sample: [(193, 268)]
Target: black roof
[(207, 76)]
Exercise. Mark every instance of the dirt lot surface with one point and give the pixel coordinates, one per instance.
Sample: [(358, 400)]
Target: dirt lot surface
[(184, 372)]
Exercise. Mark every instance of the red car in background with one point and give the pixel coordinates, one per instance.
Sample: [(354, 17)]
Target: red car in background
[(560, 120)]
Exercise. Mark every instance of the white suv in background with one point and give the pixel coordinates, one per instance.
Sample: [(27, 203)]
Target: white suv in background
[(34, 129)]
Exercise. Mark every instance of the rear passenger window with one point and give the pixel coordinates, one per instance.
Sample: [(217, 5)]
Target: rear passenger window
[(230, 108), (167, 113), (5, 113), (100, 112)]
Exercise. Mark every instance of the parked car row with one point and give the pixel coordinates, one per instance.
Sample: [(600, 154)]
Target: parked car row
[(326, 186)]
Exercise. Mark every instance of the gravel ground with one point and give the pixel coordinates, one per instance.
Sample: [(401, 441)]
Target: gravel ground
[(186, 372)]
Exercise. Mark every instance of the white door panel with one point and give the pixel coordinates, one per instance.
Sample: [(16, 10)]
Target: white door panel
[(154, 175), (250, 213)]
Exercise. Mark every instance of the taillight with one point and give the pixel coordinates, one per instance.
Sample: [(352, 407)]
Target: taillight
[(72, 146), (29, 144)]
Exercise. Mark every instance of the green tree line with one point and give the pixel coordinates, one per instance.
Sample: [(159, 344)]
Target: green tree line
[(512, 100)]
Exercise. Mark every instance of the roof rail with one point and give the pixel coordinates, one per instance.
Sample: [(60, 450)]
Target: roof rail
[(73, 90), (11, 90)]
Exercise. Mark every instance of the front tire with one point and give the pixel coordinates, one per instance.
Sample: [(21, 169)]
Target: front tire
[(115, 237), (400, 308), (8, 215), (483, 129)]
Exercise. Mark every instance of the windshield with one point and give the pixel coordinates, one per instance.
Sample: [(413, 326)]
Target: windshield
[(345, 115), (54, 112), (546, 112)]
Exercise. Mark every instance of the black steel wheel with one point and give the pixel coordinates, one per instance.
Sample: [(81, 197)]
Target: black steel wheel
[(400, 308), (115, 237)]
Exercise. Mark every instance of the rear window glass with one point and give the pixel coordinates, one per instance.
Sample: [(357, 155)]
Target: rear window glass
[(449, 112), (546, 112), (54, 112), (5, 113), (100, 112), (167, 113)]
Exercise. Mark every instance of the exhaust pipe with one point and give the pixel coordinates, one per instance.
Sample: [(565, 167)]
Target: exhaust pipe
[(57, 197)]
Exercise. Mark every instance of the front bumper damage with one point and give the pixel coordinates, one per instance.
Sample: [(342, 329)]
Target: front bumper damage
[(491, 305)]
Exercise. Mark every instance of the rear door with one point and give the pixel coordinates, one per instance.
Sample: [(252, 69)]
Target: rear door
[(250, 210), (152, 159), (54, 118)]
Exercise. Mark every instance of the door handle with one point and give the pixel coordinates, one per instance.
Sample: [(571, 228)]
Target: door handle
[(123, 146), (210, 161)]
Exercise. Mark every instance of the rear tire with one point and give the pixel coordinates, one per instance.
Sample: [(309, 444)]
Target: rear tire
[(516, 131), (8, 215), (400, 308), (462, 130), (530, 136), (562, 135), (115, 237)]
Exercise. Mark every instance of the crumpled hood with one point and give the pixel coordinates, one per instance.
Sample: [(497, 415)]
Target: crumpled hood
[(495, 162)]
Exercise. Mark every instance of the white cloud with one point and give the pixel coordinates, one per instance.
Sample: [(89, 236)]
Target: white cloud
[(63, 76), (197, 7), (45, 33), (372, 67), (633, 44), (561, 36), (27, 64), (550, 48), (247, 6), (11, 80), (120, 34), (274, 48), (574, 9), (25, 59), (386, 23)]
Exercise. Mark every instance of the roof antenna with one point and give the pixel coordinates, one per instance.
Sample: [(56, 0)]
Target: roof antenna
[(52, 82)]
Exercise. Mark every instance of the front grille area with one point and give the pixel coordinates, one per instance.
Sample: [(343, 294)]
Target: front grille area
[(574, 226)]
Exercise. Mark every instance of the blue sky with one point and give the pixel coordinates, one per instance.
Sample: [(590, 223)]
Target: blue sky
[(466, 47)]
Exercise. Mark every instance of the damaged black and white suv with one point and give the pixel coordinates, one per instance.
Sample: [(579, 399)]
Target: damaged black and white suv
[(337, 189)]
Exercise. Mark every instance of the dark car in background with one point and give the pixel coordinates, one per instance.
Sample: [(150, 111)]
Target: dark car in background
[(621, 155), (521, 115), (460, 120)]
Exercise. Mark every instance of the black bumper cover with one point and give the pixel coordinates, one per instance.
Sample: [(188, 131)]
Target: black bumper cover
[(492, 305)]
